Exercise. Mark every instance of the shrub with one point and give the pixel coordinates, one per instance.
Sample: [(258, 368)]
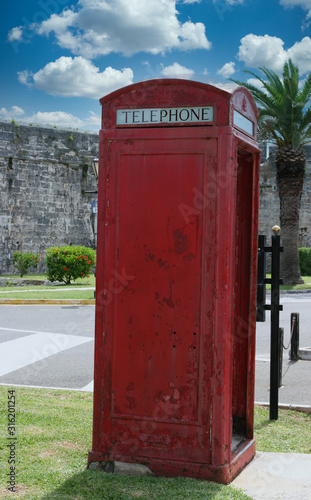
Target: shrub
[(305, 261), (69, 263), (23, 261)]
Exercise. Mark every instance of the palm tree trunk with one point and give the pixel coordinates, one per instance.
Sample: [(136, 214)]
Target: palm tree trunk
[(290, 177)]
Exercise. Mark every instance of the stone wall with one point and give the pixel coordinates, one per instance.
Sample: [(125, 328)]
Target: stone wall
[(269, 205), (44, 173), (44, 176)]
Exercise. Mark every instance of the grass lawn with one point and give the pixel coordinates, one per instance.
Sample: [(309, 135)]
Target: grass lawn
[(80, 282), (72, 291), (305, 286), (48, 294), (53, 430), (291, 433)]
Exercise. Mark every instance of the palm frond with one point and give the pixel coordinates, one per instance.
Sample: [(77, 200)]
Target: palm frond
[(291, 80), (306, 120), (275, 86), (282, 105), (305, 94), (306, 136)]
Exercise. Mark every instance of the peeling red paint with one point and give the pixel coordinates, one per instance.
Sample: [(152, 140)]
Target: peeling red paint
[(180, 242), (163, 264)]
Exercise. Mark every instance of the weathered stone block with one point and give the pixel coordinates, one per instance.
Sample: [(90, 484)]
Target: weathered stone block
[(121, 468)]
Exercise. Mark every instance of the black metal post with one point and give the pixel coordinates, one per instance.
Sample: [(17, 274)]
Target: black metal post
[(281, 341), (261, 274), (275, 337), (294, 348)]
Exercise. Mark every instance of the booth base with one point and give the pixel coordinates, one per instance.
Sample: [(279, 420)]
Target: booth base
[(222, 474)]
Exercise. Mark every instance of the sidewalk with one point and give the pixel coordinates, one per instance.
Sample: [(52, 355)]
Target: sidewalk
[(286, 476), (277, 476)]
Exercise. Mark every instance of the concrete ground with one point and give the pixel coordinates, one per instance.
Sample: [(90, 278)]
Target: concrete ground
[(277, 476)]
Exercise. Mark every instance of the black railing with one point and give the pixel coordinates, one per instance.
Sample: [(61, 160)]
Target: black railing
[(276, 346)]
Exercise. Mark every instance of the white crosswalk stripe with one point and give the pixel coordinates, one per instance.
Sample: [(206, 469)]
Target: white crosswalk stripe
[(21, 352), (89, 387)]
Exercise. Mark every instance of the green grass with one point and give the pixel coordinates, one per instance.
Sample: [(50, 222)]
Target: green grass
[(305, 286), (54, 435), (42, 277), (69, 291), (46, 294), (291, 433), (49, 292), (35, 276)]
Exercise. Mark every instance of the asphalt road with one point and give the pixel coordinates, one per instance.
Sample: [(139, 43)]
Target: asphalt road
[(53, 346), (47, 346), (296, 388)]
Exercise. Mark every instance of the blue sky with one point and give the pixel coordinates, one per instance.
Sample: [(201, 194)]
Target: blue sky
[(59, 57)]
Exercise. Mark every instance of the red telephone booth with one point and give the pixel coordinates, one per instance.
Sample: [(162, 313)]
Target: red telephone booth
[(176, 279)]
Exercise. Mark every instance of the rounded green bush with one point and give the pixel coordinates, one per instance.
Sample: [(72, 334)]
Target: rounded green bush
[(23, 261), (305, 261), (69, 263)]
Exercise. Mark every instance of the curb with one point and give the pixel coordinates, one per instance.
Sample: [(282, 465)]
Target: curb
[(291, 292), (305, 353), (301, 408), (24, 302), (92, 301)]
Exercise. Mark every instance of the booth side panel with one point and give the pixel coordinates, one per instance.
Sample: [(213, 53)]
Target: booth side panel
[(245, 292), (253, 292), (242, 333), (101, 299), (223, 328)]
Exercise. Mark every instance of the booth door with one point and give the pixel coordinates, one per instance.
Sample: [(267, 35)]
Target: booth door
[(160, 375)]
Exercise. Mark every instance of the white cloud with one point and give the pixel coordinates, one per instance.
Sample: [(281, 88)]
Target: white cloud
[(228, 87), (93, 120), (300, 53), (191, 1), (305, 4), (229, 2), (52, 118), (227, 69), (99, 27), (257, 51), (15, 34), (77, 77), (57, 118), (176, 70), (14, 112), (234, 2), (268, 51), (256, 83)]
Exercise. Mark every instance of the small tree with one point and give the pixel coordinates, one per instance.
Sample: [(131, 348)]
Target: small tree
[(69, 263), (285, 120), (23, 261)]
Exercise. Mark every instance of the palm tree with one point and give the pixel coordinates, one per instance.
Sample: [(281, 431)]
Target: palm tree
[(285, 120)]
